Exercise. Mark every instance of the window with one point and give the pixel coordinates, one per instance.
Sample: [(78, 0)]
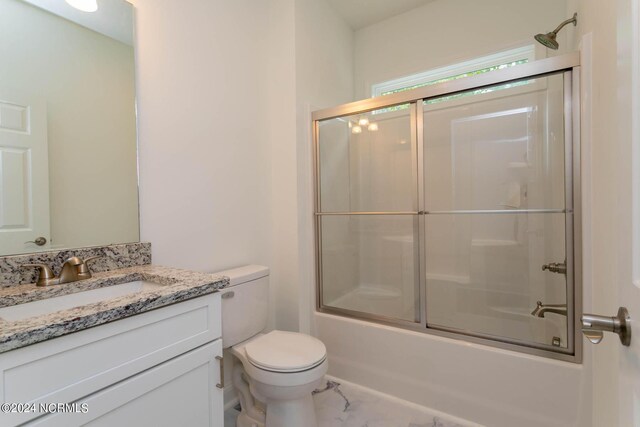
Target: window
[(485, 64)]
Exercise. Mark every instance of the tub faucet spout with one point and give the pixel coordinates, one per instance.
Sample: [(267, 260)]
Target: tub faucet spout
[(541, 309)]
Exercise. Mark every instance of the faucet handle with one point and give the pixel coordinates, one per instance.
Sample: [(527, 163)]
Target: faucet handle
[(45, 275), (83, 269), (535, 311)]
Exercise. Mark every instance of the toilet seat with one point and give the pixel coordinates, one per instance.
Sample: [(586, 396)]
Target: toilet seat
[(285, 352)]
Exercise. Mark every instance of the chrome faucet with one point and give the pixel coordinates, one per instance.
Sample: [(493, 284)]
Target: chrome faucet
[(73, 269), (541, 309)]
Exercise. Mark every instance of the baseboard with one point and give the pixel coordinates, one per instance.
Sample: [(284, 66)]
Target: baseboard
[(230, 398)]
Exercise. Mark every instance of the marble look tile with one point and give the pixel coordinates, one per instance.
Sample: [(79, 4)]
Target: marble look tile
[(114, 257), (177, 285), (343, 404), (230, 416)]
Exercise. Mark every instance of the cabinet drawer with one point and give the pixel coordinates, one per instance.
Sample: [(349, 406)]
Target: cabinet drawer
[(181, 391), (65, 369)]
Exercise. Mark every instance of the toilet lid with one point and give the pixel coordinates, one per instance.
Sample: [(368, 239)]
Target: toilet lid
[(285, 351)]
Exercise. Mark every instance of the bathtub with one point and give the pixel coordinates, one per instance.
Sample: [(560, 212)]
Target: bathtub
[(482, 384)]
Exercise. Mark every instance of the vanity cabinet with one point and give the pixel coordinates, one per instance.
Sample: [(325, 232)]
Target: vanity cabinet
[(181, 391), (157, 368)]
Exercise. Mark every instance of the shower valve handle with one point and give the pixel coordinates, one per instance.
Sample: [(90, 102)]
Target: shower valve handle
[(556, 267)]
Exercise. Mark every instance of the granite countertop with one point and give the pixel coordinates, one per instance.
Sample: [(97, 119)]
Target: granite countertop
[(177, 285)]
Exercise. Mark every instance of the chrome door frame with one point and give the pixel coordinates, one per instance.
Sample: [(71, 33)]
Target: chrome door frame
[(569, 66)]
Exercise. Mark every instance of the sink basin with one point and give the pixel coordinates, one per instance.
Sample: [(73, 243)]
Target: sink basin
[(51, 305)]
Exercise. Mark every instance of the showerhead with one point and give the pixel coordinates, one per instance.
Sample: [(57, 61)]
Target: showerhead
[(549, 39)]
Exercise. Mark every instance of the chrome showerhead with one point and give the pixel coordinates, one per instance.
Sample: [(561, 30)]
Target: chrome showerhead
[(549, 39)]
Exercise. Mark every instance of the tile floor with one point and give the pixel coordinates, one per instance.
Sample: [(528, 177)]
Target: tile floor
[(343, 404)]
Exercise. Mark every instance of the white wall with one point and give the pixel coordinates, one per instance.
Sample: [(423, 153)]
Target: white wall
[(324, 77), (224, 93), (445, 32), (204, 139), (222, 89), (280, 92), (87, 83)]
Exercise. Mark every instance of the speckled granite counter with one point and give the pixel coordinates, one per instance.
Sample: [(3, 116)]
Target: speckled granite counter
[(177, 285)]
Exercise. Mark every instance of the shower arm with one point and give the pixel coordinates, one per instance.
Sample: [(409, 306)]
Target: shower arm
[(568, 21)]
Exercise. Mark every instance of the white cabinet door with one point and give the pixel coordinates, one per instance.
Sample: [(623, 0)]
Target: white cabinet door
[(24, 174), (180, 392), (77, 365)]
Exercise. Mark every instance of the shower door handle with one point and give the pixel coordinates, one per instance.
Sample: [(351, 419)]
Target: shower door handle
[(594, 326)]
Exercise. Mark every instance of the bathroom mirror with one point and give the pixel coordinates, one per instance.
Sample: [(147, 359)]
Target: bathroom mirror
[(68, 140)]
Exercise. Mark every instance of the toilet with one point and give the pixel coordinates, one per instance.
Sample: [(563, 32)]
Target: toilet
[(278, 370)]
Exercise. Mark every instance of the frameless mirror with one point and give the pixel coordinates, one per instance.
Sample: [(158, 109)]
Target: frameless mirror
[(68, 142)]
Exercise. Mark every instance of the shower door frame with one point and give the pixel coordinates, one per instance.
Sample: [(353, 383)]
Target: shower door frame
[(568, 65)]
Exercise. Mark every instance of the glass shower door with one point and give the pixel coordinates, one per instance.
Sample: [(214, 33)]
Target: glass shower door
[(367, 214), (497, 211)]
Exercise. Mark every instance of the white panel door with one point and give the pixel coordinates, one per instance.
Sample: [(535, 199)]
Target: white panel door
[(627, 212), (24, 174), (616, 235)]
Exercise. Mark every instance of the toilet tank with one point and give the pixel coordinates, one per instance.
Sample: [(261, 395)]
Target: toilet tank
[(245, 303)]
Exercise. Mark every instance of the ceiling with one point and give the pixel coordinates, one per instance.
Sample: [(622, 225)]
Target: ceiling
[(362, 13), (114, 18)]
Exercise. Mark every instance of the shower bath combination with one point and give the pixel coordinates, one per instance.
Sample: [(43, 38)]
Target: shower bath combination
[(549, 39), (441, 220)]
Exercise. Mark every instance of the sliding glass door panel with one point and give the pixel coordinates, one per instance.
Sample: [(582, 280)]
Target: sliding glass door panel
[(368, 162), (484, 275), (499, 148), (369, 264)]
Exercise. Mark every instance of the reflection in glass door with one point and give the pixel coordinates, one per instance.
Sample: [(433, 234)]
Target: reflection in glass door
[(454, 214)]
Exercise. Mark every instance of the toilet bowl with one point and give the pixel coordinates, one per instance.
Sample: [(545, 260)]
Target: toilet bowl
[(275, 372), (281, 376)]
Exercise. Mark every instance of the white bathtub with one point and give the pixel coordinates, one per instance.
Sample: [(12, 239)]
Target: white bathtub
[(486, 385)]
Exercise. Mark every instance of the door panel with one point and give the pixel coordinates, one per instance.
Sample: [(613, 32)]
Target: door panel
[(369, 264), (484, 275), (611, 123), (24, 174), (498, 210)]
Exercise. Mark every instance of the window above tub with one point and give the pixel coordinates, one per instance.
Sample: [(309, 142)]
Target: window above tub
[(480, 65)]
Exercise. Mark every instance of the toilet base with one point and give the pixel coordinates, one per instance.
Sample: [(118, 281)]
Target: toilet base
[(245, 420), (299, 412), (289, 406)]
